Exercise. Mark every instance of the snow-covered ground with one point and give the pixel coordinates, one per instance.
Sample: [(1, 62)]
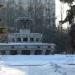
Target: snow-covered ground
[(41, 64)]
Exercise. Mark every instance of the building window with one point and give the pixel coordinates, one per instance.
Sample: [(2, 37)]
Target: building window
[(13, 52), (38, 46), (37, 39), (25, 46), (38, 52), (49, 46), (2, 52), (18, 39), (25, 52), (47, 52), (12, 46), (31, 39), (25, 39), (13, 40)]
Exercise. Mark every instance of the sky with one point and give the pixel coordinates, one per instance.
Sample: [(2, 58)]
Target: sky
[(58, 12)]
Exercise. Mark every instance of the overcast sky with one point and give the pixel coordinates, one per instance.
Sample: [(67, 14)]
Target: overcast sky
[(58, 12)]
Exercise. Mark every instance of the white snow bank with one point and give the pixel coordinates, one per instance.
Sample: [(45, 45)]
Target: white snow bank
[(4, 70), (41, 64), (38, 59)]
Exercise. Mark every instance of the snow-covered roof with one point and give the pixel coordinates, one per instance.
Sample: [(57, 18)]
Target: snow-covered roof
[(23, 33), (10, 43)]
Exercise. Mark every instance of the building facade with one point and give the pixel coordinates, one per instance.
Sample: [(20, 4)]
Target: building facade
[(26, 43)]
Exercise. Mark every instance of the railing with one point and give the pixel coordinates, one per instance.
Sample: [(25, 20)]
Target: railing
[(23, 48)]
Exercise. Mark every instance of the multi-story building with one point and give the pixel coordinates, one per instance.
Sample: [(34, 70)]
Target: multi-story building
[(25, 42)]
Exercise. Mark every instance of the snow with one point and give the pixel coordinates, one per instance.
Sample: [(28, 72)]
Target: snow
[(10, 43), (11, 71), (41, 64), (39, 59)]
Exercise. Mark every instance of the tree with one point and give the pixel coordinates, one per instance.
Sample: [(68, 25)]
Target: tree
[(71, 19), (10, 13), (67, 1)]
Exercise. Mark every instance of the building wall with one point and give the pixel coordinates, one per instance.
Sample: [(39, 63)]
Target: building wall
[(25, 36), (26, 48)]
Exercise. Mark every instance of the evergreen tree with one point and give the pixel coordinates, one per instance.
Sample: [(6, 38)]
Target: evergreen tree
[(70, 18)]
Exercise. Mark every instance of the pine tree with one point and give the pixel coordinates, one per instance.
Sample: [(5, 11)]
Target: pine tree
[(70, 18)]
